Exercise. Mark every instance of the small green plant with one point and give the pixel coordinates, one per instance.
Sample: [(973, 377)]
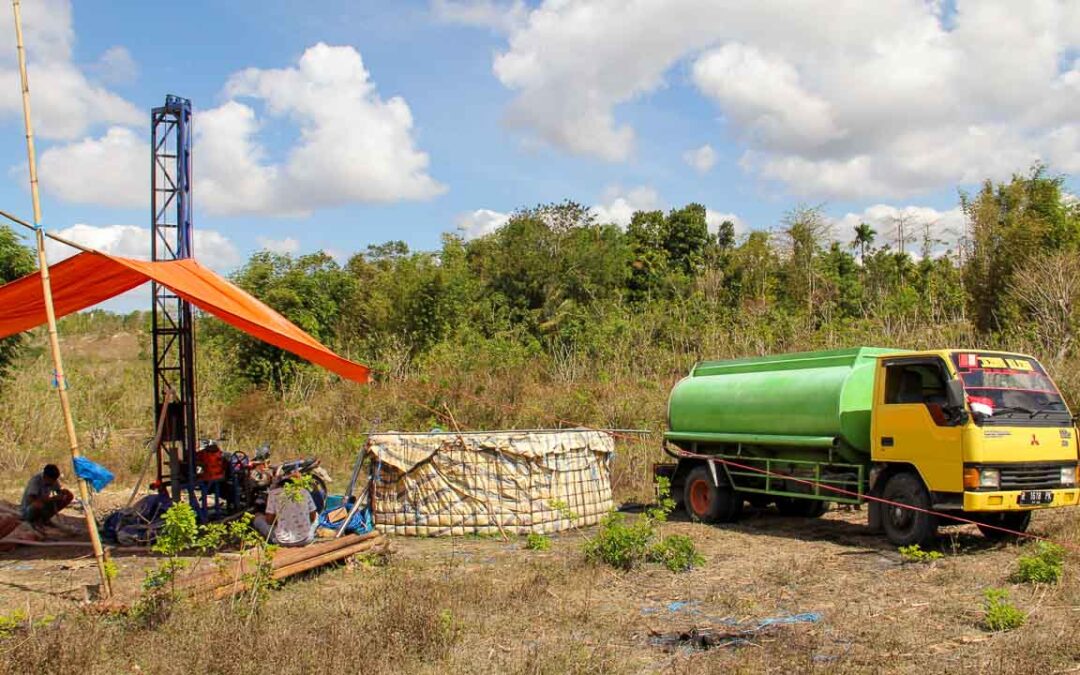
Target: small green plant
[(626, 545), (10, 623), (618, 543), (676, 552), (1043, 566), (297, 485), (17, 621), (665, 504), (111, 570), (537, 542), (563, 509), (180, 534), (1001, 615), (915, 554)]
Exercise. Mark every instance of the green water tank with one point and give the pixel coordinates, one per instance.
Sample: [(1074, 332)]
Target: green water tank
[(805, 400)]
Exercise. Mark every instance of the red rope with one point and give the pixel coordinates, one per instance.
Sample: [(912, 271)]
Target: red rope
[(683, 453), (838, 490)]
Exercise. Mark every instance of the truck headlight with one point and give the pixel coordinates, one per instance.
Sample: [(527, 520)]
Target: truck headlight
[(1068, 475), (990, 478)]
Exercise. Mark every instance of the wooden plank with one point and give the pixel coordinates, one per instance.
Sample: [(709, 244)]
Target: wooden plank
[(326, 552)]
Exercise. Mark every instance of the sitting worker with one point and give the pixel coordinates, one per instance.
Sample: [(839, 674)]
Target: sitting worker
[(290, 518), (44, 497)]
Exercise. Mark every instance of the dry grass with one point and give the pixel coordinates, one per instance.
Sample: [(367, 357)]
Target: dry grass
[(472, 605), (490, 606)]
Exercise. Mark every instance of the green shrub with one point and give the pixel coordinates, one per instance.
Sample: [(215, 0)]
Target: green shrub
[(1001, 615), (537, 542), (915, 554), (676, 552), (626, 545), (1044, 566), (618, 543)]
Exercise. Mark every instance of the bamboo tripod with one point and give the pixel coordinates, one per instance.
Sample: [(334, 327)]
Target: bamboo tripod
[(50, 313)]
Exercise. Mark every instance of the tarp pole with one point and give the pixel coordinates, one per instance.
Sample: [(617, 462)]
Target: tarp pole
[(50, 313)]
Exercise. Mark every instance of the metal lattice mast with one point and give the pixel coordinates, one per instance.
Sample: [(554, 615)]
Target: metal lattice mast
[(173, 332)]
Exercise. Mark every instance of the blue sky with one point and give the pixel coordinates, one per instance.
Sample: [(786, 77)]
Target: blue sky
[(468, 109)]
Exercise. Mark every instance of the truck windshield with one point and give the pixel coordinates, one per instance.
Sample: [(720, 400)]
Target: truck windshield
[(1004, 387)]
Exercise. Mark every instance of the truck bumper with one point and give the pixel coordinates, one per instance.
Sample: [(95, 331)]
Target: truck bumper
[(1009, 501)]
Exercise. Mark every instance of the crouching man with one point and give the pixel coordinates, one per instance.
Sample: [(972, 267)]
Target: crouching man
[(290, 518), (44, 497)]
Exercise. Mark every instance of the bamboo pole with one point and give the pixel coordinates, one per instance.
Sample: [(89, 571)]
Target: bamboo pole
[(50, 313)]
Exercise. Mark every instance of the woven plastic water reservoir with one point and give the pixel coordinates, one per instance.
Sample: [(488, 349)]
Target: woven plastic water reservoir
[(491, 482)]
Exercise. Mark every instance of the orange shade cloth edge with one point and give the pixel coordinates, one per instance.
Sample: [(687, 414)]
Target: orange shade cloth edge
[(89, 278)]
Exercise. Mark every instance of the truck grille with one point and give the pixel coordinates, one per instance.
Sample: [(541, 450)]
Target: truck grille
[(1030, 477)]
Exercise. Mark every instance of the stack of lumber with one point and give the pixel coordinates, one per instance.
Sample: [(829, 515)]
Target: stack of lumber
[(232, 578)]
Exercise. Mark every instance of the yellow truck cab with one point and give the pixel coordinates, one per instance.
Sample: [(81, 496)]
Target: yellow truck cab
[(987, 433)]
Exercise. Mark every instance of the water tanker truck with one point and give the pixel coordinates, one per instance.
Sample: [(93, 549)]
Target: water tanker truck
[(980, 434)]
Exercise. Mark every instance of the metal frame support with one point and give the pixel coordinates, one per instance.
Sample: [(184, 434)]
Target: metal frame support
[(172, 327)]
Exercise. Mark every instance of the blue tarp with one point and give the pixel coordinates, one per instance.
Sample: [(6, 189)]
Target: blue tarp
[(93, 473)]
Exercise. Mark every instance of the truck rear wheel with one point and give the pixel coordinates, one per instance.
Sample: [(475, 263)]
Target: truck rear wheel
[(801, 508), (907, 526), (708, 502), (1017, 521)]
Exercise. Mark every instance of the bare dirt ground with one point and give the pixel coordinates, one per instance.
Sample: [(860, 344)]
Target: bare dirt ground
[(486, 605)]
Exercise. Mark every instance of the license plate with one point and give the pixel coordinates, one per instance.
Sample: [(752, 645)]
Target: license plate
[(1035, 497)]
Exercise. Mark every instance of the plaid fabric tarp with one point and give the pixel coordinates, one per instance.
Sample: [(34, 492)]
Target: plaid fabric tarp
[(512, 482)]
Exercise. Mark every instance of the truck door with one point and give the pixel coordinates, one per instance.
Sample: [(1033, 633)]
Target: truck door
[(910, 423)]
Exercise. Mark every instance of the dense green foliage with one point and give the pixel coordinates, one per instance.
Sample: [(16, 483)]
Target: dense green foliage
[(555, 282), (15, 261), (1044, 565), (1000, 614)]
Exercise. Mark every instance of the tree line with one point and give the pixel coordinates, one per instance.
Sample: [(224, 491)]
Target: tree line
[(554, 281)]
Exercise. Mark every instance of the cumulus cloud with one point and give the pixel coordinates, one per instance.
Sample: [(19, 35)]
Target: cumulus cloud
[(494, 14), (618, 206), (480, 222), (702, 159), (66, 103), (288, 245), (116, 66), (110, 171), (715, 218), (882, 99), (353, 146), (212, 248)]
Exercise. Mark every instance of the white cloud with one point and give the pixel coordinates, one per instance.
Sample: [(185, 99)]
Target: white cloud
[(112, 170), (761, 93), (845, 100), (65, 102), (288, 245), (212, 248), (480, 222), (618, 206), (714, 218), (499, 15), (353, 147), (702, 159), (116, 66)]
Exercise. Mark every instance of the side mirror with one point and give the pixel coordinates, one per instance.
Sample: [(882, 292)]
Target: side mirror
[(954, 397), (954, 394)]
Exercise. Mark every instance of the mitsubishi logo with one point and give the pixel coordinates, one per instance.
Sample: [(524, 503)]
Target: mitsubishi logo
[(1034, 440)]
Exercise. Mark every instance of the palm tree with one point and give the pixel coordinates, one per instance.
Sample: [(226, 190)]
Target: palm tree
[(864, 238)]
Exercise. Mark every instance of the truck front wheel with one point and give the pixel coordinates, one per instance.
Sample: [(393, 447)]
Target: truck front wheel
[(1017, 521), (907, 526), (708, 502)]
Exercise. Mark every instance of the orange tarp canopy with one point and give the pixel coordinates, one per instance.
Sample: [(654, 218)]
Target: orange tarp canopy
[(89, 278)]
